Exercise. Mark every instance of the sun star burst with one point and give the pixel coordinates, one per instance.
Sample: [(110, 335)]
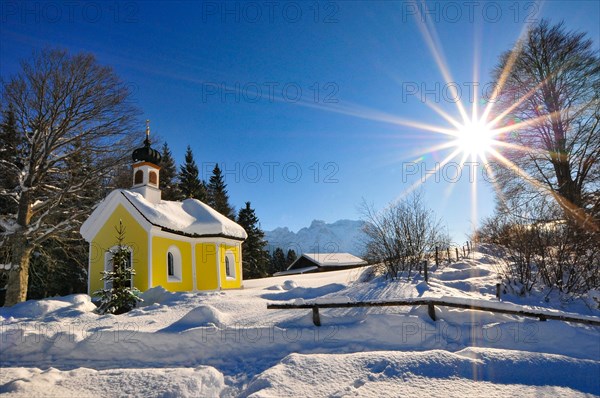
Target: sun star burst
[(475, 139)]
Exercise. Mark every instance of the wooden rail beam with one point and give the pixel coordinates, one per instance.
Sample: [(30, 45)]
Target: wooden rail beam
[(430, 303)]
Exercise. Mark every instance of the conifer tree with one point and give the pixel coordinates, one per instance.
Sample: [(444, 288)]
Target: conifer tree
[(190, 184), (290, 257), (278, 261), (9, 183), (168, 175), (255, 261), (120, 178), (119, 297), (9, 165), (218, 197)]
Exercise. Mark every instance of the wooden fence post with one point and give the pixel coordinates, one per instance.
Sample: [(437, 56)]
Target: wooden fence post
[(437, 257), (448, 253), (497, 290), (425, 269), (456, 248), (431, 310), (464, 252), (316, 318)]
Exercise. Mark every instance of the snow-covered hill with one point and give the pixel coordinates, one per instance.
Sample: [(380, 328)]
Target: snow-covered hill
[(320, 237), (228, 344)]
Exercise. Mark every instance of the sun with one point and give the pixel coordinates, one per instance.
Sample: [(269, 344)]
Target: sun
[(474, 139)]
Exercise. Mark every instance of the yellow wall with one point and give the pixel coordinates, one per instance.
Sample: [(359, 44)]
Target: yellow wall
[(229, 283), (135, 237), (207, 263), (160, 246), (206, 269)]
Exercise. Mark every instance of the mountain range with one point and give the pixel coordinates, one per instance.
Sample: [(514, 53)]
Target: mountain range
[(320, 237)]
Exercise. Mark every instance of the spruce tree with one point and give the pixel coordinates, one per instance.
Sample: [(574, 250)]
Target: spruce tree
[(10, 167), (168, 176), (120, 178), (190, 184), (278, 261), (255, 259), (119, 297), (218, 197), (290, 257)]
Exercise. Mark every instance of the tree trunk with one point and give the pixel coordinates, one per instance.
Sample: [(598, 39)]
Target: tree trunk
[(18, 276)]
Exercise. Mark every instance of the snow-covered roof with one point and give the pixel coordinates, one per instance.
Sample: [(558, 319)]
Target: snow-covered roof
[(296, 271), (334, 259), (190, 217)]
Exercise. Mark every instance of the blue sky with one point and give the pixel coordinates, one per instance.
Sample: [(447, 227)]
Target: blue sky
[(289, 97)]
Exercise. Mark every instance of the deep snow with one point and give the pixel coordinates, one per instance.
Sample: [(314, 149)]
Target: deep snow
[(227, 343)]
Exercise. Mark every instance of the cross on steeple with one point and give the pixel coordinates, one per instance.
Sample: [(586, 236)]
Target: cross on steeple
[(147, 140)]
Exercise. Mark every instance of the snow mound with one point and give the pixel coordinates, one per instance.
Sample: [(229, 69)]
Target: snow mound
[(202, 381), (306, 293), (274, 287), (59, 306), (369, 273), (289, 285), (461, 265), (483, 372), (204, 315), (462, 274), (158, 295)]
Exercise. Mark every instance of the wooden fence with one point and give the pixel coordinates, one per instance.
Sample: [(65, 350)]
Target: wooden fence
[(452, 253), (431, 303)]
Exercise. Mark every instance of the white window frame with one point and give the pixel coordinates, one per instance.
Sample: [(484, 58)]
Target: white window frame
[(177, 264), (230, 265), (108, 265)]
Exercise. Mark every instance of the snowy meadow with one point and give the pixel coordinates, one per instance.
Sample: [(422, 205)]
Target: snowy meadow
[(228, 344)]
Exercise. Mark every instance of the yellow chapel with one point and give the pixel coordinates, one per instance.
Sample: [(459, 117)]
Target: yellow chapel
[(181, 246)]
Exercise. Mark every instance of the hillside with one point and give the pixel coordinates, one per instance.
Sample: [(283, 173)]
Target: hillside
[(228, 343), (320, 237)]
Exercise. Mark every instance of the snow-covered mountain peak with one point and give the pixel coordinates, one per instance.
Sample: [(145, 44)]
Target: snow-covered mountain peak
[(320, 237)]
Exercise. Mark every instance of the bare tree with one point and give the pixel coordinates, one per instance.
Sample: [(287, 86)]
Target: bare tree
[(520, 235), (550, 83), (540, 248), (402, 235), (66, 107)]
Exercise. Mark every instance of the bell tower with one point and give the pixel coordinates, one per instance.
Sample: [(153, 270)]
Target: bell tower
[(146, 170)]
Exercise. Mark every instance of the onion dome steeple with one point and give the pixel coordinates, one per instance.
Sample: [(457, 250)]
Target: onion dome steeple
[(146, 169), (146, 153)]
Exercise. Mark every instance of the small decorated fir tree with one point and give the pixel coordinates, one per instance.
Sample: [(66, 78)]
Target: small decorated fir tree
[(119, 296)]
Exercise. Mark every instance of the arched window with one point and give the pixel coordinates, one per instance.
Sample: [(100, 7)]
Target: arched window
[(229, 265), (173, 264), (170, 264), (138, 177), (152, 178)]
